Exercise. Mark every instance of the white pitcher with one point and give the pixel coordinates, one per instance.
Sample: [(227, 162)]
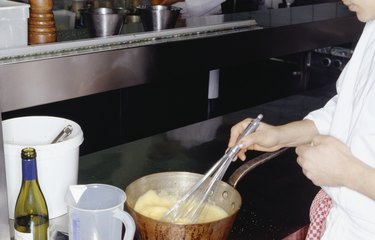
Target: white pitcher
[(96, 212)]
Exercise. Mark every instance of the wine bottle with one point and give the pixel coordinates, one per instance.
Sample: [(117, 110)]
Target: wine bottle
[(31, 214)]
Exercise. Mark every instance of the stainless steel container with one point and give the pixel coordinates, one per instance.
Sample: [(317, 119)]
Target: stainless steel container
[(158, 17), (103, 22)]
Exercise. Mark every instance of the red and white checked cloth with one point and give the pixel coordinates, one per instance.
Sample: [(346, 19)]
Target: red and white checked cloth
[(319, 210)]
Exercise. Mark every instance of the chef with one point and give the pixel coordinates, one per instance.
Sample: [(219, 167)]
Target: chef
[(335, 144)]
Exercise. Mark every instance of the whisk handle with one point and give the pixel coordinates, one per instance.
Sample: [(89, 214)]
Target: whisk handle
[(251, 127)]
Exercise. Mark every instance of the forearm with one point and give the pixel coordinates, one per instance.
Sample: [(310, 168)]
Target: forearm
[(297, 133), (268, 138)]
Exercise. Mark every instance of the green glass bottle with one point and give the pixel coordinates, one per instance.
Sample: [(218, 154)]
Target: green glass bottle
[(31, 213)]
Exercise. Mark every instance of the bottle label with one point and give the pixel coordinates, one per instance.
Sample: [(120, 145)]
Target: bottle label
[(29, 169), (22, 236), (26, 236)]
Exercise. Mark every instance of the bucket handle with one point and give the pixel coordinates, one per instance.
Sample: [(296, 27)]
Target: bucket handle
[(245, 168), (127, 221)]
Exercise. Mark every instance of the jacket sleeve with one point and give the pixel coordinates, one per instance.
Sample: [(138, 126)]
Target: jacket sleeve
[(323, 116)]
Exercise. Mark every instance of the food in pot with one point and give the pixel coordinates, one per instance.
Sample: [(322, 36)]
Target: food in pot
[(154, 205)]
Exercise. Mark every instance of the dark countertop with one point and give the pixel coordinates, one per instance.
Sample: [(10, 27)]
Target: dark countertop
[(276, 196)]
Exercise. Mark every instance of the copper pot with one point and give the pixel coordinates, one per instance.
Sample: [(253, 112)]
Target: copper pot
[(224, 196)]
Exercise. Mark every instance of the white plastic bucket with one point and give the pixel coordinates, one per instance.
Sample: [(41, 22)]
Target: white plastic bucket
[(57, 164)]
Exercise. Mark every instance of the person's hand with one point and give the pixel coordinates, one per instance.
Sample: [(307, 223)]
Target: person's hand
[(164, 2), (265, 138), (326, 161)]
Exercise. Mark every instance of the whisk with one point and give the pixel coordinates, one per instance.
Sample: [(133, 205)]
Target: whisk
[(190, 205)]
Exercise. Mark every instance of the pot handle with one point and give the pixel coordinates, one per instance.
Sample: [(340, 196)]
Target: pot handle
[(251, 164)]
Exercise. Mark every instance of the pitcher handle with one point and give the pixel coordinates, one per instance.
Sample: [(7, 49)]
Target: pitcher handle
[(128, 222)]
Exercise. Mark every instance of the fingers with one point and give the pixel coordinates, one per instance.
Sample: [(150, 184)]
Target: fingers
[(301, 149), (261, 140), (310, 176), (301, 154), (306, 159), (236, 130), (242, 155), (319, 139), (302, 162)]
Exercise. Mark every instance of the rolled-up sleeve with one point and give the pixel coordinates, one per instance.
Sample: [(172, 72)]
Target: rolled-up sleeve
[(323, 116)]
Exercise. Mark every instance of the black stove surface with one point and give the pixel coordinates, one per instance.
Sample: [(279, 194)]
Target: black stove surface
[(276, 195)]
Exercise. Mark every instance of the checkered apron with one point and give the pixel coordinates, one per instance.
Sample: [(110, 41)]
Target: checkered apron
[(319, 210)]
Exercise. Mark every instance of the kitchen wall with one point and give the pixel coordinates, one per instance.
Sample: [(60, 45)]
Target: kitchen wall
[(174, 100)]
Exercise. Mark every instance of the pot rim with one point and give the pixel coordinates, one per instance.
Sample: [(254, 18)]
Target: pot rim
[(181, 174), (236, 176), (183, 224)]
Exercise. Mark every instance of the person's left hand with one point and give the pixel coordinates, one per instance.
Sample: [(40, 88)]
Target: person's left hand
[(326, 161)]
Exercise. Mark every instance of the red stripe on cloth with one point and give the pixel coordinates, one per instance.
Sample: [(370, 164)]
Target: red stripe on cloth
[(319, 210), (300, 234)]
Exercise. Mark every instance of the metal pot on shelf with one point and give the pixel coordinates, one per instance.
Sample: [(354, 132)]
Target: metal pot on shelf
[(224, 195), (103, 21), (158, 17)]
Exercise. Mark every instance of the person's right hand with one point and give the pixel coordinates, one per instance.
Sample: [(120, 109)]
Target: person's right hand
[(266, 138)]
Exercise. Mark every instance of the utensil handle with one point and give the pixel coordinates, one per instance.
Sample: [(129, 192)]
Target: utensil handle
[(63, 134), (251, 127), (245, 168)]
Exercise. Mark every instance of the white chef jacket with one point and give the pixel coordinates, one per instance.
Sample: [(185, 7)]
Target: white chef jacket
[(197, 8), (350, 117)]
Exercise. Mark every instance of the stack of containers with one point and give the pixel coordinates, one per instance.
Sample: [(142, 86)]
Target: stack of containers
[(13, 24)]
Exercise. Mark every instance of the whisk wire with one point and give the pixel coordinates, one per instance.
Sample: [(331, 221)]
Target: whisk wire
[(189, 207), (191, 204)]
